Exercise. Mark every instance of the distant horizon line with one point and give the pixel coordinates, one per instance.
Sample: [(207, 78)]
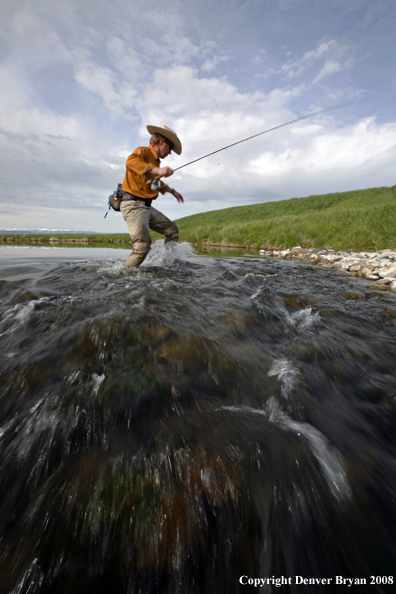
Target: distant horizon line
[(45, 230)]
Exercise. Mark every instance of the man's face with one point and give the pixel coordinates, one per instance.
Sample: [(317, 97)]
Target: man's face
[(163, 147)]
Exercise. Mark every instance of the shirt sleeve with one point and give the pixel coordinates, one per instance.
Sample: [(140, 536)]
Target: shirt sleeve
[(137, 163), (164, 188)]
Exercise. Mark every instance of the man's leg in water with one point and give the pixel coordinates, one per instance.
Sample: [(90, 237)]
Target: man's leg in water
[(161, 224), (137, 217)]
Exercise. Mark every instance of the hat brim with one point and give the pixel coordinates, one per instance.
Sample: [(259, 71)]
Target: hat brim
[(169, 135)]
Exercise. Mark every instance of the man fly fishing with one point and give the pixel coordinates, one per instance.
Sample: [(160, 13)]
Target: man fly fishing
[(141, 186)]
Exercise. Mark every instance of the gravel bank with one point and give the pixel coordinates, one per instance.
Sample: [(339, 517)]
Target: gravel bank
[(379, 267)]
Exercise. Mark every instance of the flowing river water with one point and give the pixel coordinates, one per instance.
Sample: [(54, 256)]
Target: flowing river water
[(194, 426)]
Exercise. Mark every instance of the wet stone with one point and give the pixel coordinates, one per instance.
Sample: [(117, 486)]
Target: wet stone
[(354, 295), (238, 320)]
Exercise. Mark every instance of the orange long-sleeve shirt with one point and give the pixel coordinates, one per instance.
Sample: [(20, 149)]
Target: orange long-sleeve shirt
[(138, 167)]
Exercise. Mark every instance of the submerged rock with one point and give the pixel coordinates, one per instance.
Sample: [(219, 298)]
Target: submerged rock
[(354, 295)]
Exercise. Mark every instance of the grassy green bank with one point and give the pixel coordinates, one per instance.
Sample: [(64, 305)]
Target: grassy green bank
[(360, 220)]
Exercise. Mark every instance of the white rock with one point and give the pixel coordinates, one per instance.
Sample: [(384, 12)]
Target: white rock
[(367, 267), (388, 271), (392, 286), (331, 258)]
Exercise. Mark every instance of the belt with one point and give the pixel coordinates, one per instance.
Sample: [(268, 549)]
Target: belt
[(126, 196)]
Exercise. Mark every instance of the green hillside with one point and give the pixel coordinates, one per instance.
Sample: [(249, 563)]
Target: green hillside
[(360, 220)]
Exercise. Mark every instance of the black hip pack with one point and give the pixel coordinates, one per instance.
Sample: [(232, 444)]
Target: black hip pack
[(118, 196), (115, 199)]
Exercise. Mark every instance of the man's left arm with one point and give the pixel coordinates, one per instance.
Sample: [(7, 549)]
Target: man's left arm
[(165, 188)]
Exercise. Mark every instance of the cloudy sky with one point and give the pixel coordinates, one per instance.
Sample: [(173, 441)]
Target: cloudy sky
[(80, 81)]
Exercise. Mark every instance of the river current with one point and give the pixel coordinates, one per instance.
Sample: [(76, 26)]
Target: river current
[(194, 425)]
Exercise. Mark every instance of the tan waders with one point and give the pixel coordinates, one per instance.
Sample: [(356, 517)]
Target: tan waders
[(140, 218)]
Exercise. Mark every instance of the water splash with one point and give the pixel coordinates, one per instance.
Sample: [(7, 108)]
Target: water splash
[(303, 321), (15, 318), (169, 254), (329, 459), (97, 382), (286, 373)]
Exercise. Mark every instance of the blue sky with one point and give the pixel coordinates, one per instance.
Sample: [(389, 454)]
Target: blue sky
[(80, 81)]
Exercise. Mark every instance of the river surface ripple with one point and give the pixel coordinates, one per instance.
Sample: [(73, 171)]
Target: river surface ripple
[(173, 428)]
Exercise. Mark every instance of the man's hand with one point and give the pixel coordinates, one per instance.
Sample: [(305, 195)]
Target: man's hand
[(162, 171), (178, 196)]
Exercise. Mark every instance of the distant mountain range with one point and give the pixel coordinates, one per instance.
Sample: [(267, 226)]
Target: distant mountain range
[(43, 231)]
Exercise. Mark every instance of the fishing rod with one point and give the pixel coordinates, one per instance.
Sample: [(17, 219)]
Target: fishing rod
[(156, 184), (310, 115)]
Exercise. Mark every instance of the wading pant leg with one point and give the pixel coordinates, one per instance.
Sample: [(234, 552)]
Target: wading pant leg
[(161, 224), (137, 217)]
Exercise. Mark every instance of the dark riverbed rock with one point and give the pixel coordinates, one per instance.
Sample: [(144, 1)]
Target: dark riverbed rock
[(354, 295)]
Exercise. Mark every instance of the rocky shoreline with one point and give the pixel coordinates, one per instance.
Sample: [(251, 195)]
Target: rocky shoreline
[(379, 267)]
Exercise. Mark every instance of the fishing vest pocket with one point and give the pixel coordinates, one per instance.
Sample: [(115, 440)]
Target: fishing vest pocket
[(115, 198)]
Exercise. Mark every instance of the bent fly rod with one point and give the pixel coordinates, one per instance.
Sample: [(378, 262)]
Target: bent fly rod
[(310, 115)]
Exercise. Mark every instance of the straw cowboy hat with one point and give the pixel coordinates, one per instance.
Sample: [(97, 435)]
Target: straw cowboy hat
[(168, 134)]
